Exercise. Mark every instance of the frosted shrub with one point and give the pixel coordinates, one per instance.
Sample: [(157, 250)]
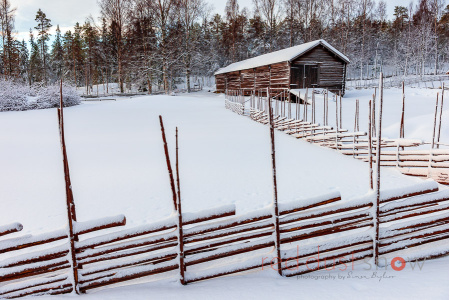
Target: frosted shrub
[(48, 96), (13, 96), (19, 96)]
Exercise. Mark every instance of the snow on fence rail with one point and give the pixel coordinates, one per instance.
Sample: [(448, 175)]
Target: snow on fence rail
[(10, 228), (217, 242)]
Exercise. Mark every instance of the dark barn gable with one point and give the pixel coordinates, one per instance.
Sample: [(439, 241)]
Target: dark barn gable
[(314, 64)]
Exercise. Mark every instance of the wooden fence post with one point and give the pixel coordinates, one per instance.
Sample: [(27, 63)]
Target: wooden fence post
[(435, 121), (326, 114), (440, 117), (402, 120), (369, 145), (340, 110), (356, 127), (275, 191), (65, 160), (430, 162), (374, 129), (377, 225), (71, 216), (169, 167), (289, 103), (324, 111), (180, 217), (305, 107), (176, 199), (313, 107), (337, 122)]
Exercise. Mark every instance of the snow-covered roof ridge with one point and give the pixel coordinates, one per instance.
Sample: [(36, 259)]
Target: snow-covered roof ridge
[(287, 54)]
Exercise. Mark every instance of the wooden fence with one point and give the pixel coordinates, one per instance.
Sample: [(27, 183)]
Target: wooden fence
[(291, 116), (235, 101), (392, 81), (217, 242)]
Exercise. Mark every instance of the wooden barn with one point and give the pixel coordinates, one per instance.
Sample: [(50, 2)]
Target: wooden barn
[(315, 64)]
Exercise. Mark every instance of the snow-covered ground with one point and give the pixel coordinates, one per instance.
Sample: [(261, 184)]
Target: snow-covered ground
[(118, 166), (430, 282)]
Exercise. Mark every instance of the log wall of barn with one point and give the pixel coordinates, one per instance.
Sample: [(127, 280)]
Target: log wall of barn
[(247, 79), (233, 80), (280, 75), (273, 76), (331, 71), (262, 77), (220, 83)]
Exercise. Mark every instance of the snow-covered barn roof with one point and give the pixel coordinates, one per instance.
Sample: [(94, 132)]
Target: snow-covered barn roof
[(287, 54)]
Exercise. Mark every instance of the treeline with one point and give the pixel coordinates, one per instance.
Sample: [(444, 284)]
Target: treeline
[(157, 44)]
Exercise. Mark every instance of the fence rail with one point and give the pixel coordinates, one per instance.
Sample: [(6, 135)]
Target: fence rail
[(218, 242)]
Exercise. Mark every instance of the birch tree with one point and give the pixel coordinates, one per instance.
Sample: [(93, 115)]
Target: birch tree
[(190, 12), (116, 13)]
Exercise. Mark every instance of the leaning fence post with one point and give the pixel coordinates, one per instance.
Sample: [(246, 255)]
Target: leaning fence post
[(181, 265), (440, 117), (434, 125), (69, 197), (65, 160), (169, 167), (275, 192), (377, 225), (402, 120), (434, 136)]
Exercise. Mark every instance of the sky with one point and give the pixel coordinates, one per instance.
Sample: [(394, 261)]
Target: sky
[(67, 12)]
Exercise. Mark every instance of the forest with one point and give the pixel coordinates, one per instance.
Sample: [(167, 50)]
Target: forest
[(157, 44)]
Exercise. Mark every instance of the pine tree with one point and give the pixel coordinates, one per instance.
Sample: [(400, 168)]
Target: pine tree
[(70, 73), (35, 61), (7, 27), (24, 62), (43, 28), (90, 37), (57, 55)]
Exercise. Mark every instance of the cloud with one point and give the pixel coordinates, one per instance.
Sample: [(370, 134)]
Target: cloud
[(63, 12), (25, 35)]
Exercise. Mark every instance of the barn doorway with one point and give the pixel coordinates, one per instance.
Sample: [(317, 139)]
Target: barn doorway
[(305, 75)]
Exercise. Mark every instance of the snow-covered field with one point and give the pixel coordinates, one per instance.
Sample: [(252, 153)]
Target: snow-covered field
[(118, 166)]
